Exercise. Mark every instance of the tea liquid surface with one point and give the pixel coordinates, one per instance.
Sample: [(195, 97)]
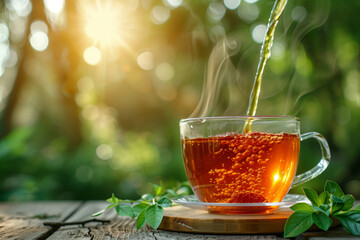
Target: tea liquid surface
[(240, 168)]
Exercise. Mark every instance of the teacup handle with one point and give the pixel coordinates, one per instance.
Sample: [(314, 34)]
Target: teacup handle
[(321, 166)]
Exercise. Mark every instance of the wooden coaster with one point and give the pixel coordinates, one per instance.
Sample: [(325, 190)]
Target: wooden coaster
[(183, 219)]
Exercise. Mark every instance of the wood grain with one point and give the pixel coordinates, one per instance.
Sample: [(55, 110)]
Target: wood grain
[(125, 228), (25, 220)]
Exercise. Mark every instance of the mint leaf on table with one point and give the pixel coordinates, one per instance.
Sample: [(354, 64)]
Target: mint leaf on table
[(140, 221), (337, 204), (301, 206), (125, 210), (149, 208), (147, 197), (322, 220), (324, 197), (154, 215), (349, 202), (165, 202), (297, 223), (324, 208), (312, 196), (140, 207), (332, 203), (351, 221), (333, 188)]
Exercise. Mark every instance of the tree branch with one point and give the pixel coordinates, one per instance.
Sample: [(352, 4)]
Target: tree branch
[(60, 224)]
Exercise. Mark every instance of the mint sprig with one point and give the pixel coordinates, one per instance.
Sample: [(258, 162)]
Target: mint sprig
[(330, 204), (149, 208)]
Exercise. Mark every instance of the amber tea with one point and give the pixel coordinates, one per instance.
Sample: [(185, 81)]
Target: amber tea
[(225, 165), (241, 168)]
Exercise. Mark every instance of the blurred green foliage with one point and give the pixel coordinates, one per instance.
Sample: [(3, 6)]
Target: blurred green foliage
[(72, 130)]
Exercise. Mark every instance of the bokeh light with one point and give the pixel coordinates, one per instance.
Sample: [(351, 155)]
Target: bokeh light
[(12, 59), (160, 14), (216, 33), (164, 71), (278, 50), (232, 4), (251, 1), (39, 41), (85, 84), (21, 7), (216, 11), (4, 32), (298, 13), (174, 3), (248, 12), (146, 60), (258, 33), (39, 26), (54, 6), (92, 55), (91, 112), (104, 152), (84, 173), (2, 71)]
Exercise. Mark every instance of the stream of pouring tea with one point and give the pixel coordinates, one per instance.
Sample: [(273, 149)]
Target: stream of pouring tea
[(265, 52)]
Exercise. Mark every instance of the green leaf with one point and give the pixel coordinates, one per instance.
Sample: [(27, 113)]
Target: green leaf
[(358, 207), (102, 211), (98, 213), (139, 207), (183, 191), (324, 197), (114, 199), (312, 196), (349, 202), (351, 221), (297, 223), (337, 204), (302, 206), (334, 188), (165, 202), (322, 221), (154, 215), (324, 208), (171, 193), (157, 189), (140, 221), (147, 197), (124, 210)]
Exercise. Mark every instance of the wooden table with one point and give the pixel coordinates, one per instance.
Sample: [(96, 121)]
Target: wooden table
[(26, 221)]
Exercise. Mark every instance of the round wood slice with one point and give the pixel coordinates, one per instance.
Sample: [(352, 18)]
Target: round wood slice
[(183, 219)]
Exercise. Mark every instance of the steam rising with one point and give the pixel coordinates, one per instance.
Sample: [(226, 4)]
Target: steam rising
[(220, 76), (226, 93), (306, 24)]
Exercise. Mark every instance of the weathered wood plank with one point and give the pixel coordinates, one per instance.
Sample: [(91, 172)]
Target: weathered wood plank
[(125, 228), (25, 220)]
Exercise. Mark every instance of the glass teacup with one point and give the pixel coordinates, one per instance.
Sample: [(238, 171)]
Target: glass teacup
[(225, 165)]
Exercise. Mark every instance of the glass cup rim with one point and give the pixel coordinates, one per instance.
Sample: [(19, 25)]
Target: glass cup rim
[(241, 118)]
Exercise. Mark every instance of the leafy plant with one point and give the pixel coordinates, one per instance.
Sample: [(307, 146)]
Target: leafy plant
[(149, 208), (330, 204)]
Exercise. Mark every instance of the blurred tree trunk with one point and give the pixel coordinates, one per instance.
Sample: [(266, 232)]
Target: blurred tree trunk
[(66, 61), (21, 76), (59, 44)]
